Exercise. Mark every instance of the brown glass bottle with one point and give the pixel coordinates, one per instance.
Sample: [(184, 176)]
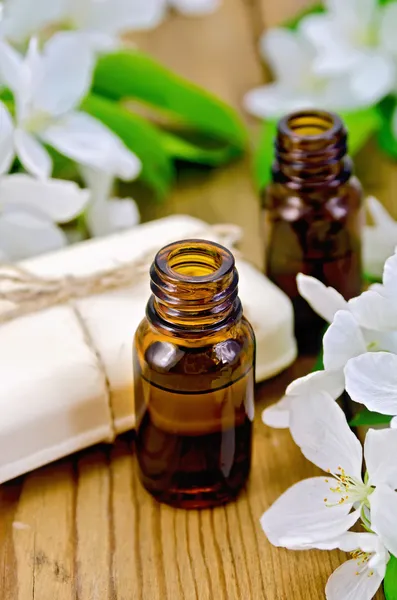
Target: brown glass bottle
[(194, 379), (313, 215)]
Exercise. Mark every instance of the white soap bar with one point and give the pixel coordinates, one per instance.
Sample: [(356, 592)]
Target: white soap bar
[(67, 372), (53, 396)]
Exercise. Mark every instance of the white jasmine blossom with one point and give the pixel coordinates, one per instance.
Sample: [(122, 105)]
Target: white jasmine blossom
[(107, 18), (297, 85), (355, 37), (29, 211), (361, 576), (106, 214), (357, 328), (376, 308), (47, 88), (195, 7), (318, 509), (102, 21)]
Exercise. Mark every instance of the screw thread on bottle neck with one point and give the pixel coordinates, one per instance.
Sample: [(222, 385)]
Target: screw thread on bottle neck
[(194, 286), (311, 149)]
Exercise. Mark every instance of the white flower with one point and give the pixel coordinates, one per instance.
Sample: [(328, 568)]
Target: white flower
[(356, 37), (29, 210), (355, 330), (106, 214), (372, 380), (376, 308), (195, 7), (23, 19), (297, 85), (318, 509), (47, 87), (328, 303), (103, 21), (360, 577)]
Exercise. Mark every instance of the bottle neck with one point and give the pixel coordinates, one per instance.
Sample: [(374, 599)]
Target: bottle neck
[(311, 150), (194, 287)]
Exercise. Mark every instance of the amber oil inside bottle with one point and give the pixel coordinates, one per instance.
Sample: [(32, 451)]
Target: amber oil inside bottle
[(313, 215), (194, 379)]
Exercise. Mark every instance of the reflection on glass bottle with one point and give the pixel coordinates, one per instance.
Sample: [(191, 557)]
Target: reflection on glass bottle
[(313, 215), (194, 379)]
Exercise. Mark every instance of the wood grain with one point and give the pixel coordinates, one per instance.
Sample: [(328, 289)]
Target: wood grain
[(83, 528)]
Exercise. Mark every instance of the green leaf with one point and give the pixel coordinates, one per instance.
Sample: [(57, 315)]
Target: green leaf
[(140, 137), (390, 582), (386, 138), (132, 74), (370, 279), (360, 124), (319, 364), (367, 417), (181, 149), (264, 155)]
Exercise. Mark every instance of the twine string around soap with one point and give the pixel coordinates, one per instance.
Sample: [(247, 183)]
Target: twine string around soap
[(23, 292)]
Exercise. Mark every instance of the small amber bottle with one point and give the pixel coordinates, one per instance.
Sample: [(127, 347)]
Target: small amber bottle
[(313, 215), (194, 379)]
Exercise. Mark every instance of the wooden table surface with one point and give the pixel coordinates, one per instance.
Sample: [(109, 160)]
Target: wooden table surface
[(83, 528)]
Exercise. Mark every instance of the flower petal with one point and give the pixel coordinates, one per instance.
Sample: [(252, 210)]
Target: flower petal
[(378, 245), (319, 427), (23, 235), (374, 311), (390, 276), (325, 301), (387, 28), (87, 141), (123, 213), (373, 78), (273, 100), (371, 379), (21, 20), (334, 53), (195, 7), (33, 156), (393, 423), (66, 71), (117, 16), (59, 200), (277, 46), (332, 382), (342, 340), (380, 451), (11, 66), (383, 502), (349, 583), (299, 518), (278, 414), (350, 541), (6, 139)]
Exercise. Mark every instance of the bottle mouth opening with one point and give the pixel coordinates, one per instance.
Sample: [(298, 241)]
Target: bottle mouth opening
[(194, 261), (310, 125)]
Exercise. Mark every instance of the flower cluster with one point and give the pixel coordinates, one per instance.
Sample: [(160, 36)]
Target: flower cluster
[(43, 81), (341, 59), (360, 356)]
